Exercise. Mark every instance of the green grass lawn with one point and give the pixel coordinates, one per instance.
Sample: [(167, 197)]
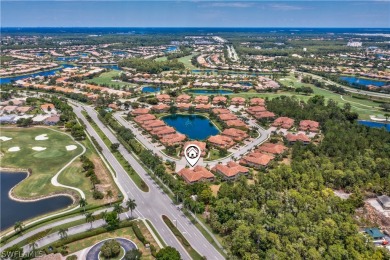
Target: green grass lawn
[(164, 58), (186, 60), (44, 164), (107, 79)]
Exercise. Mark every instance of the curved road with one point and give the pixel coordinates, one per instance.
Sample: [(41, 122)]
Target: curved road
[(126, 244)]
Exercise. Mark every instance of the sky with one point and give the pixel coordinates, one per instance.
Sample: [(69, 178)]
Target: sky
[(196, 13)]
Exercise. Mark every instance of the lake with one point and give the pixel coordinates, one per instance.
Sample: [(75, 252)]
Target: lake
[(72, 58), (375, 124), (195, 127), (41, 73), (112, 67), (210, 91), (171, 49), (12, 211), (363, 81), (150, 89)]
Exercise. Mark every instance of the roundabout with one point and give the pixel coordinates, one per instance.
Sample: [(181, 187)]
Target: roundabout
[(126, 245)]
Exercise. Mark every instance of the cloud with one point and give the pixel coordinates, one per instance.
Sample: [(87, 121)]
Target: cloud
[(230, 4), (285, 7)]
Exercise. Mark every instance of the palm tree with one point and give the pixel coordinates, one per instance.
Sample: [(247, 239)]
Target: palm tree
[(89, 218), (110, 195), (131, 205), (33, 245), (83, 203), (18, 227), (63, 233), (118, 208)]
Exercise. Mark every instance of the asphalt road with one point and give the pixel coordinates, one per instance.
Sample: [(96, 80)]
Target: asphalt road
[(153, 204), (127, 245)]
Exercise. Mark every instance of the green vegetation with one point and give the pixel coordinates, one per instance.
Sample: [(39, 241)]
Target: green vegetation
[(108, 79), (186, 60), (43, 165), (194, 255), (151, 66), (168, 253)]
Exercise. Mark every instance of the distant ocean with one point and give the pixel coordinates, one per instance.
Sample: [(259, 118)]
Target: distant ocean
[(138, 30)]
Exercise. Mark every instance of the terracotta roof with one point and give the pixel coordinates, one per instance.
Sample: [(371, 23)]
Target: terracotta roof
[(272, 148), (257, 101), (218, 99), (173, 139), (234, 133), (160, 107), (140, 111), (227, 117), (221, 111), (46, 106), (258, 159), (236, 123), (309, 125), (143, 118), (201, 99), (298, 137), (196, 174), (230, 169), (283, 122), (221, 140)]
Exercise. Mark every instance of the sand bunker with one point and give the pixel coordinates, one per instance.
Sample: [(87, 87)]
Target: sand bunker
[(41, 137), (38, 148), (14, 149), (4, 138), (71, 147)]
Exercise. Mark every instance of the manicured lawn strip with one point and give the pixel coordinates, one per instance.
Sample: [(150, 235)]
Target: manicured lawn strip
[(44, 164), (130, 171), (204, 232), (192, 252), (106, 79), (156, 233), (186, 60)]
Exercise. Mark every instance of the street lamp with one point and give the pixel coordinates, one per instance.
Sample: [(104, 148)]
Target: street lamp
[(175, 220)]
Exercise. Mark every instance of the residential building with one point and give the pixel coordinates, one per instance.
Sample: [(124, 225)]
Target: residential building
[(231, 170), (283, 122), (221, 141), (384, 200), (291, 138), (309, 125), (201, 145), (196, 174), (271, 148), (235, 134), (257, 160)]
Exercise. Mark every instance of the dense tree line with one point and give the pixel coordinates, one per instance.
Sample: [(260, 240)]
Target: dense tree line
[(151, 66), (291, 212)]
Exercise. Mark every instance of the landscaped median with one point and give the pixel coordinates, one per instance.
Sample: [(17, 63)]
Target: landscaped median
[(192, 252), (130, 171)]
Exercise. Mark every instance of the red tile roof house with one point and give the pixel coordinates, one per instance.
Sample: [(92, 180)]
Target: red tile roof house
[(9, 109), (140, 111), (173, 139), (227, 117), (153, 124), (264, 115), (299, 137), (163, 131), (23, 110), (236, 123), (256, 109), (271, 148), (164, 98), (239, 101), (201, 145), (53, 120), (183, 106), (46, 107), (113, 106), (218, 111), (283, 122), (203, 107), (142, 118), (230, 171), (221, 141), (201, 100), (257, 102), (160, 108), (257, 160), (309, 125), (183, 99), (235, 134), (196, 174), (219, 99)]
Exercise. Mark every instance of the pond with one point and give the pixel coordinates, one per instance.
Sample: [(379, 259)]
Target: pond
[(41, 73), (363, 81), (112, 67), (171, 49), (195, 127), (210, 91), (13, 211), (72, 58), (150, 89), (375, 124)]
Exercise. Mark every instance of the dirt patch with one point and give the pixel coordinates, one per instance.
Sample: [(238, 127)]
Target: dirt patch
[(251, 182), (286, 161), (368, 216), (215, 189), (107, 183)]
